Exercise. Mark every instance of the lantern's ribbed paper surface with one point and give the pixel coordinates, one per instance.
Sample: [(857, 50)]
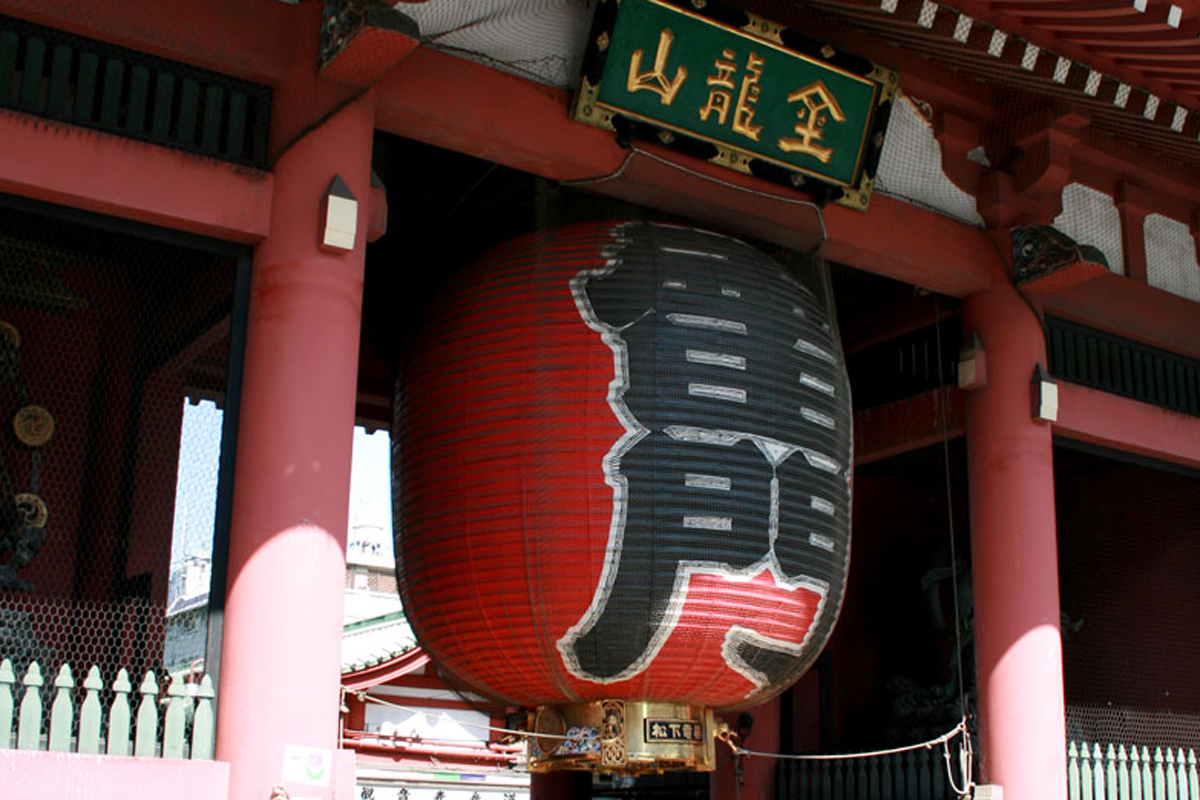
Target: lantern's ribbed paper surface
[(622, 460)]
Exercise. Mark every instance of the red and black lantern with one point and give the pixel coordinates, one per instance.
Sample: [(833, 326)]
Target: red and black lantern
[(622, 460)]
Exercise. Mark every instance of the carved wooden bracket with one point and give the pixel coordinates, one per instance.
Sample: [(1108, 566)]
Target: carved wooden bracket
[(362, 39), (960, 141), (1048, 261), (1027, 189), (1046, 140)]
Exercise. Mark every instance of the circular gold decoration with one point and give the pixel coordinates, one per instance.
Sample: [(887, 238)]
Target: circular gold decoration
[(10, 335), (33, 426), (32, 509), (549, 721), (828, 52), (602, 42)]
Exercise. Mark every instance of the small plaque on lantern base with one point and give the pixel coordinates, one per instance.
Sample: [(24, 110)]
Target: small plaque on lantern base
[(627, 737)]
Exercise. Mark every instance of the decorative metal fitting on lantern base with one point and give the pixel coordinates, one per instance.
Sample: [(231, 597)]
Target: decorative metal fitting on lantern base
[(627, 737)]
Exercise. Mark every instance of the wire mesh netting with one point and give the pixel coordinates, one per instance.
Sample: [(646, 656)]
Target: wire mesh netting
[(539, 39), (1129, 576), (106, 547), (1171, 262)]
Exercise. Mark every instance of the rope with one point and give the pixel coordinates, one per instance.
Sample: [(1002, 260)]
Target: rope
[(961, 727), (366, 698), (738, 752), (943, 740)]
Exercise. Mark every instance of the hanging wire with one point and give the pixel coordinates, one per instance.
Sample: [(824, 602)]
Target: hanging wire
[(635, 150), (967, 751), (937, 323), (618, 172)]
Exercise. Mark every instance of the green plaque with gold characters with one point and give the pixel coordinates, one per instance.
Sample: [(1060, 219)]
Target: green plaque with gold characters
[(725, 85)]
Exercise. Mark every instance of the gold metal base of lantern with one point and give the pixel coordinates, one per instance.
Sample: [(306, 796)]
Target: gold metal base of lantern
[(626, 737)]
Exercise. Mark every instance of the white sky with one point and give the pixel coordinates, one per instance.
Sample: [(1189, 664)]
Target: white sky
[(196, 484)]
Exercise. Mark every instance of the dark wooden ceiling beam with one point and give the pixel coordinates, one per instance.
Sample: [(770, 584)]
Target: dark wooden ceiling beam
[(1077, 8), (1183, 36), (1073, 25), (1192, 55)]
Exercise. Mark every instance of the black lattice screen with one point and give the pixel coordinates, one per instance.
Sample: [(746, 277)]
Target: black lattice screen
[(1122, 366), (86, 82)]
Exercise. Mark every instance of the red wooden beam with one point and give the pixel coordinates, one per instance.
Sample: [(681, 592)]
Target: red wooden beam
[(453, 103), (59, 163), (1183, 36), (433, 751), (1135, 310), (1082, 8), (1149, 21), (906, 425), (1105, 419), (1145, 55), (254, 41)]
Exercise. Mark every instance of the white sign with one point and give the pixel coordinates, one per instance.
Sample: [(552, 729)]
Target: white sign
[(307, 766)]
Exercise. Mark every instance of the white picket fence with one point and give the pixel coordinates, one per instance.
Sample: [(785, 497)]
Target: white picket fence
[(188, 728), (1117, 772)]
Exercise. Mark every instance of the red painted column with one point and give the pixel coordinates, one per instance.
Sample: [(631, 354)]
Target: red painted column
[(757, 778), (1018, 644), (281, 658)]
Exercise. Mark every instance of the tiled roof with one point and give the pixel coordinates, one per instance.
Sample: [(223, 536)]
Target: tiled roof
[(373, 641)]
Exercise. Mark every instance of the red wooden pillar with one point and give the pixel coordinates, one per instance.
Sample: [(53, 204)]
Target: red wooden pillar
[(757, 777), (1015, 558), (281, 657)]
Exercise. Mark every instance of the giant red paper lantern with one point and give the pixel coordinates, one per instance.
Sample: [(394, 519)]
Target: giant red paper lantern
[(622, 462)]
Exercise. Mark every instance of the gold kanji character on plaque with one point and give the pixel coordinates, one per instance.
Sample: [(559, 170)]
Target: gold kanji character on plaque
[(743, 113), (720, 91), (819, 105), (655, 80)]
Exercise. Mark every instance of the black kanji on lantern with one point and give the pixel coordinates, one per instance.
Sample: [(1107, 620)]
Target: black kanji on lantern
[(730, 385)]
